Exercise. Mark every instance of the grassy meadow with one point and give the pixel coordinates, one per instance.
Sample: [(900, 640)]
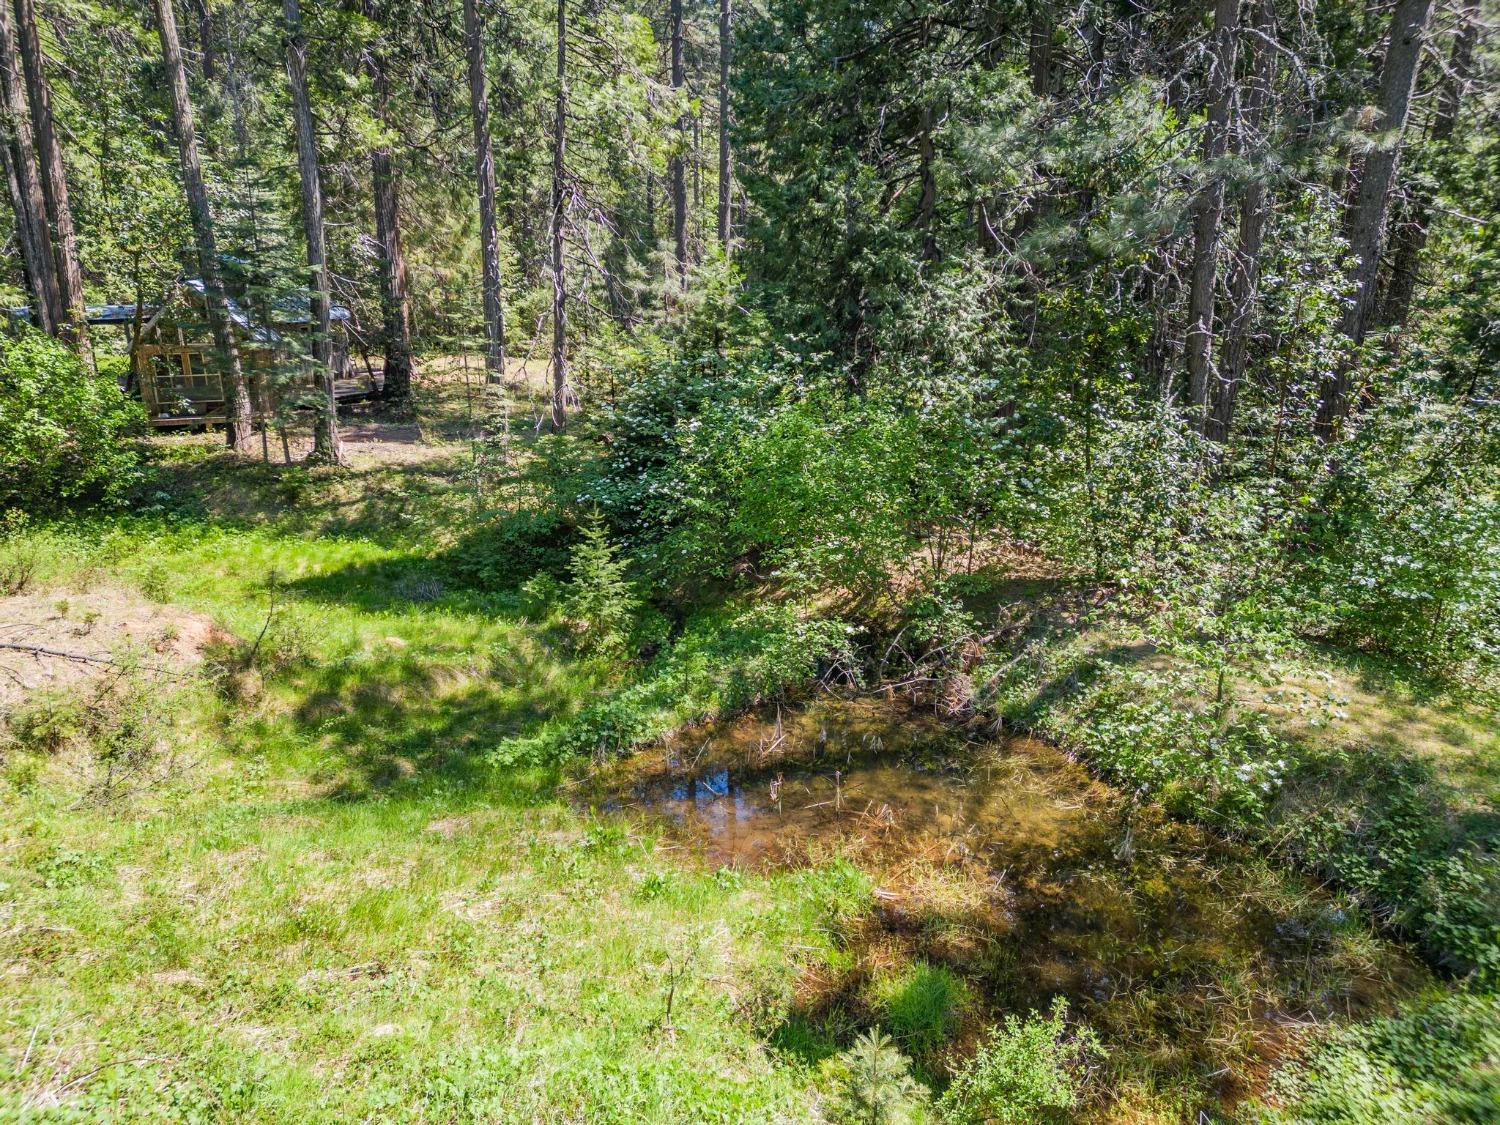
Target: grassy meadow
[(299, 878)]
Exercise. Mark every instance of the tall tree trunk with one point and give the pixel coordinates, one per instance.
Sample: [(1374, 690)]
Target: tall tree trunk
[(650, 212), (237, 409), (1208, 208), (1410, 238), (394, 293), (210, 60), (559, 288), (1041, 59), (326, 431), (25, 233), (1244, 276), (484, 173), (725, 169), (927, 174), (53, 175), (679, 165), (24, 181), (1372, 200)]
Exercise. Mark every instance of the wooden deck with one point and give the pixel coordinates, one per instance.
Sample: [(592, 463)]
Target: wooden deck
[(345, 392)]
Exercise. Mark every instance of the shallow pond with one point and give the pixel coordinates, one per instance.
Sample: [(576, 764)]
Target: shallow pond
[(1007, 867)]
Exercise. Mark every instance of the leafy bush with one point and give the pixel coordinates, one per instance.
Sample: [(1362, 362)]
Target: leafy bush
[(1407, 541), (60, 427), (1024, 1071), (766, 463), (1439, 1061), (509, 551)]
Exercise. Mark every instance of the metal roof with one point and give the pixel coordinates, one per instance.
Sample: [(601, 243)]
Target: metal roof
[(94, 314), (289, 310)]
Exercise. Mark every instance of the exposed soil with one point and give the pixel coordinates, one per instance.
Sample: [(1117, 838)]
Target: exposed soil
[(106, 625)]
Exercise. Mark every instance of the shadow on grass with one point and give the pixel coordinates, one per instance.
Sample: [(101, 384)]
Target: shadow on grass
[(399, 721), (1183, 963), (386, 504), (481, 573), (457, 673)]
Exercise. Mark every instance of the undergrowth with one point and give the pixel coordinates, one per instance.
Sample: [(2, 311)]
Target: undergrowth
[(1377, 822)]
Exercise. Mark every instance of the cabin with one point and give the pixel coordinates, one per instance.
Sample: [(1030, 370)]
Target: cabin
[(174, 365)]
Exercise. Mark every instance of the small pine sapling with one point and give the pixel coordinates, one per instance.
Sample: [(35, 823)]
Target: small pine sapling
[(601, 601)]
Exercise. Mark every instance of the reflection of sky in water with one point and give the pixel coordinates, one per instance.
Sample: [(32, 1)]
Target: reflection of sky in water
[(753, 788), (702, 790), (721, 807)]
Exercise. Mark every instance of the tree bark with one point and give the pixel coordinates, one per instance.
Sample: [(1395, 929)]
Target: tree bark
[(679, 167), (394, 291), (326, 430), (726, 170), (559, 287), (927, 203), (210, 60), (484, 174), (24, 182), (1041, 59), (237, 409), (1410, 238), (1244, 277), (1372, 201), (1208, 208), (53, 176)]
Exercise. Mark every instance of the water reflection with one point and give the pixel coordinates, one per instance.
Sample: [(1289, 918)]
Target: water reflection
[(854, 773), (1009, 864)]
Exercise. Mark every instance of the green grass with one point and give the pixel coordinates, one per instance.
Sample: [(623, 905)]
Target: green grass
[(358, 894), (344, 910)]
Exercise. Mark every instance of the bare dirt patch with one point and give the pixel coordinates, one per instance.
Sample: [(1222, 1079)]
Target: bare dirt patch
[(98, 630)]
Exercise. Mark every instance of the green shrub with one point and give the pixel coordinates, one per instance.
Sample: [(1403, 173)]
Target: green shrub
[(508, 552), (1025, 1071), (156, 582), (60, 427), (117, 730), (1406, 556), (1437, 1062), (723, 661), (20, 554), (47, 721), (874, 1085), (601, 602)]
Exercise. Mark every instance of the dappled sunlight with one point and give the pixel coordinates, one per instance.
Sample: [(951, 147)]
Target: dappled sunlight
[(1005, 876)]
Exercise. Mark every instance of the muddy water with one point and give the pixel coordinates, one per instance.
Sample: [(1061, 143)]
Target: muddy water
[(1011, 867), (773, 789)]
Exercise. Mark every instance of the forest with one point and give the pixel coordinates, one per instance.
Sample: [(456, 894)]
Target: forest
[(840, 561)]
